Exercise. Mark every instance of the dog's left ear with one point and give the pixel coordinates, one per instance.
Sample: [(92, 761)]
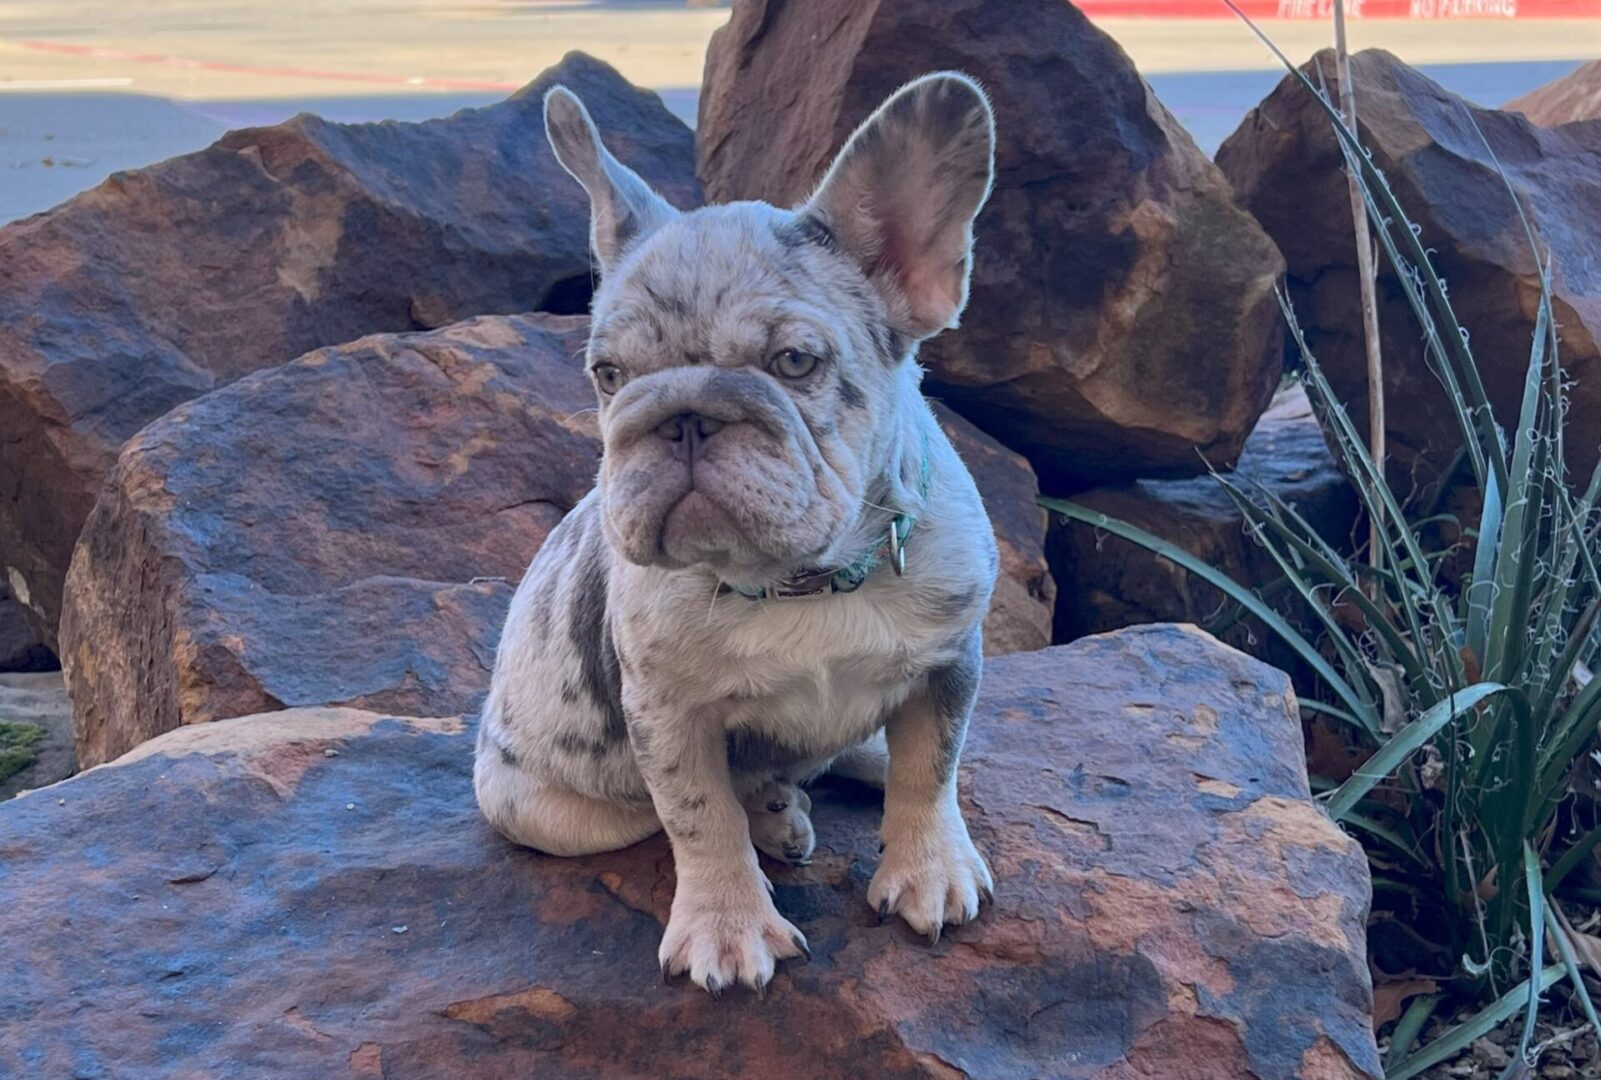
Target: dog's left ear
[(903, 193), (622, 207)]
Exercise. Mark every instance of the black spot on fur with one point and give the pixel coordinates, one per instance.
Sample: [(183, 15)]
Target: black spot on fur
[(850, 395), (804, 230), (590, 631), (759, 398), (539, 615), (506, 756), (888, 341), (896, 347), (626, 230), (579, 746), (950, 606), (673, 305), (758, 751), (952, 689), (569, 693)]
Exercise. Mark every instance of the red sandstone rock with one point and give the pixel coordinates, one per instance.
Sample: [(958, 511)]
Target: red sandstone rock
[(1122, 312), (1285, 165), (162, 284), (314, 893)]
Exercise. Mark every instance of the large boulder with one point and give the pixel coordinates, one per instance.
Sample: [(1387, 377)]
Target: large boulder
[(1431, 145), (1122, 312), (1106, 583), (164, 283), (1575, 96), (1021, 609), (345, 529), (323, 899)]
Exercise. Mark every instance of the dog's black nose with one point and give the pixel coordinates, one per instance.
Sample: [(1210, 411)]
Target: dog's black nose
[(687, 431)]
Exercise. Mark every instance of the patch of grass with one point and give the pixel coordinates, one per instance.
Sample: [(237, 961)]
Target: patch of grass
[(19, 745)]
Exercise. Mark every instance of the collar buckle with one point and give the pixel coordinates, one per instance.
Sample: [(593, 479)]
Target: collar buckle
[(899, 527)]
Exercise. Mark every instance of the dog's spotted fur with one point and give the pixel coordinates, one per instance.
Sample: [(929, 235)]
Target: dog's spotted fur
[(633, 692)]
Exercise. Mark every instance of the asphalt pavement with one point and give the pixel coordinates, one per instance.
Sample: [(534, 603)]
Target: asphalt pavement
[(89, 87)]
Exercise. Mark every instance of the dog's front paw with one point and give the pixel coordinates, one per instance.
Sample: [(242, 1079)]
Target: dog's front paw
[(724, 938), (931, 876)]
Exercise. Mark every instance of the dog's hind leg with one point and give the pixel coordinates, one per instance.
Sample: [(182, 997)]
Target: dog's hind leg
[(553, 819), (867, 762)]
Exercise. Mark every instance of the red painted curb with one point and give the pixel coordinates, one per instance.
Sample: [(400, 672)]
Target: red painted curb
[(1323, 10), (1259, 10)]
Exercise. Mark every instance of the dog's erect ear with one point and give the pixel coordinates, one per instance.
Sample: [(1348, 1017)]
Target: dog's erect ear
[(622, 207), (902, 195)]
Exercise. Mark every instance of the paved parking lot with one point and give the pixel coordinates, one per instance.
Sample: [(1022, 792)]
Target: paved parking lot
[(91, 86)]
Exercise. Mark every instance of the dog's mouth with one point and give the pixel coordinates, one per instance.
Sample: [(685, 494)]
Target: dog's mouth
[(698, 528), (751, 508)]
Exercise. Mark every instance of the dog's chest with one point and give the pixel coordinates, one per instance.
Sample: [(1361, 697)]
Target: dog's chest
[(813, 676)]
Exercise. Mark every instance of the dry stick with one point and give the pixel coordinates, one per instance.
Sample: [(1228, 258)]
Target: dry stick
[(1345, 93)]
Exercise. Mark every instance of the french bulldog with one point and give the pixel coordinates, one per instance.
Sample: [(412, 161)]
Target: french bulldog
[(783, 567)]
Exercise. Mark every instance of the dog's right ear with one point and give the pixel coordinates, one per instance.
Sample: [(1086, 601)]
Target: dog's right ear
[(622, 207)]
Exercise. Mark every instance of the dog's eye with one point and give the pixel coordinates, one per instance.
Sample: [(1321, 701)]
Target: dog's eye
[(793, 364), (777, 807), (609, 377)]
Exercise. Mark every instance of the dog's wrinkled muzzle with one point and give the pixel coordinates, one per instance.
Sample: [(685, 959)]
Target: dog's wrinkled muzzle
[(657, 405), (706, 466)]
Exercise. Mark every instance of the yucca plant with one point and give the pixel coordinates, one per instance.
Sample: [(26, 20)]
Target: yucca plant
[(1474, 698)]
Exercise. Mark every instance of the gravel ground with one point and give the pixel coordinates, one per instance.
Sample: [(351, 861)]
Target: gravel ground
[(1563, 1047)]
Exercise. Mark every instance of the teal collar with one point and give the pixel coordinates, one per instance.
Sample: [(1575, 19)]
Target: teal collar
[(814, 584)]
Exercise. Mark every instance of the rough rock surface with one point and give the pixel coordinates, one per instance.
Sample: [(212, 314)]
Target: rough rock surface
[(1106, 583), (1122, 312), (20, 647), (1284, 163), (1575, 96), (1021, 610), (322, 899), (345, 529), (164, 283), (38, 698)]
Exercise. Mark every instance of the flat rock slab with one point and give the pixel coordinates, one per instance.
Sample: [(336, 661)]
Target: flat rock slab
[(346, 529), (322, 899), (1122, 311), (1443, 157), (164, 283)]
